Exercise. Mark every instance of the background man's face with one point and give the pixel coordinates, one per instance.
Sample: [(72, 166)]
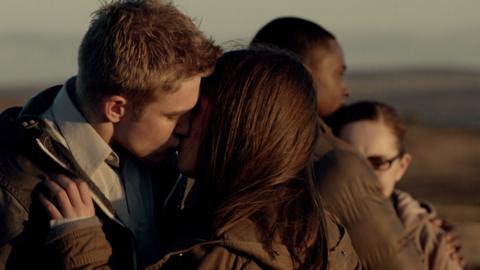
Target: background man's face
[(163, 121), (327, 68)]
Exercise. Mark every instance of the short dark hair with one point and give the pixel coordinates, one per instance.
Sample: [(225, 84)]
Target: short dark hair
[(297, 35), (132, 48)]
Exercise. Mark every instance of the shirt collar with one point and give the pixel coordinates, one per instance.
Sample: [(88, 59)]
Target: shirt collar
[(86, 145)]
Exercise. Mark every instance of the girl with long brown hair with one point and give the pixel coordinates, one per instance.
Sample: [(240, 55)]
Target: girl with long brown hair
[(255, 152)]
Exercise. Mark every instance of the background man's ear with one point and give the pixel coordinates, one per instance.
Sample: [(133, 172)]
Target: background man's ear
[(114, 108)]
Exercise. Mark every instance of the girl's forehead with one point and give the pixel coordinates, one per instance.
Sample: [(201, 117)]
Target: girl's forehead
[(370, 137)]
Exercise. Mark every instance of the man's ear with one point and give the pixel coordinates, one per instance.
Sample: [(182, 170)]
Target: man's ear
[(113, 108)]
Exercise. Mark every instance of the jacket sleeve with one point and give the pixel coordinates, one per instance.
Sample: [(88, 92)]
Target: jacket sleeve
[(435, 248), (430, 239), (12, 217), (79, 245), (352, 192), (341, 254)]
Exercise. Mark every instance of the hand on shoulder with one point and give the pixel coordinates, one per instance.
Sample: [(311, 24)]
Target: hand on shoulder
[(71, 198)]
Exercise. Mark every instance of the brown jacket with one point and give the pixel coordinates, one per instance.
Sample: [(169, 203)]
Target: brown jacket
[(352, 192), (30, 153), (238, 248), (429, 239)]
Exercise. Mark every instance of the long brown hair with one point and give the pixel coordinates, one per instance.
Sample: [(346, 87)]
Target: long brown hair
[(258, 151)]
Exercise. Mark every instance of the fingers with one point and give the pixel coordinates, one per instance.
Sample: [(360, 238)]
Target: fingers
[(70, 188), (85, 193), (61, 197), (454, 241), (50, 207), (73, 198), (443, 224), (452, 238), (454, 245), (437, 222), (459, 258)]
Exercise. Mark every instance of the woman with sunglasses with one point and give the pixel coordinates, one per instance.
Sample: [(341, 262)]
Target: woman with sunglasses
[(377, 132)]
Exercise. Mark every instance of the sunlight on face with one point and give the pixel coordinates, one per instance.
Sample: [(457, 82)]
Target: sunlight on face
[(328, 70), (156, 132)]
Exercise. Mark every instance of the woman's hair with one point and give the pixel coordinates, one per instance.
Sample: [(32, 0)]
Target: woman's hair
[(258, 151), (369, 110)]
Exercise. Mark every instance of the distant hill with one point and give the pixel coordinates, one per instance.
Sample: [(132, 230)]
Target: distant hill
[(444, 97), (15, 96)]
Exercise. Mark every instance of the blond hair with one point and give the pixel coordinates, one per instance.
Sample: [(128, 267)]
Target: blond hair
[(133, 48)]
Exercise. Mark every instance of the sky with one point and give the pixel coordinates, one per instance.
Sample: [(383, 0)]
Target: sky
[(39, 38)]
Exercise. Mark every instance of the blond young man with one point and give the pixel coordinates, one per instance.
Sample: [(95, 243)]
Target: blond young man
[(115, 125)]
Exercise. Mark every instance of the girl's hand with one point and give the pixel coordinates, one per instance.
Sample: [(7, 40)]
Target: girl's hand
[(72, 198)]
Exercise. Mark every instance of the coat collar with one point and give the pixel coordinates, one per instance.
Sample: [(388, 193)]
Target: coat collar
[(29, 133), (78, 133)]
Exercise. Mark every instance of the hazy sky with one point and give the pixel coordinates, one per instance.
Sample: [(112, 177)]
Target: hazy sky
[(39, 38)]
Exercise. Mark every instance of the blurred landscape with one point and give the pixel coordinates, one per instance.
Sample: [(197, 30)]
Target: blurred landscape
[(442, 107)]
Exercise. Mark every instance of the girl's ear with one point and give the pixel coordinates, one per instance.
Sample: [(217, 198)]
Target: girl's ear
[(405, 161)]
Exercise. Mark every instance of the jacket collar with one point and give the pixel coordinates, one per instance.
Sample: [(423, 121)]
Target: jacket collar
[(78, 133), (29, 130), (41, 102)]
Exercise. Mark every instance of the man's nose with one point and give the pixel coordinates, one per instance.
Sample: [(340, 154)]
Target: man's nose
[(183, 125)]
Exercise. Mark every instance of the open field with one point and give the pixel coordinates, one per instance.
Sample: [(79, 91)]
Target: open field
[(443, 109)]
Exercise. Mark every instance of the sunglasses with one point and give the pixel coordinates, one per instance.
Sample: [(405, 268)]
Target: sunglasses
[(380, 163)]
